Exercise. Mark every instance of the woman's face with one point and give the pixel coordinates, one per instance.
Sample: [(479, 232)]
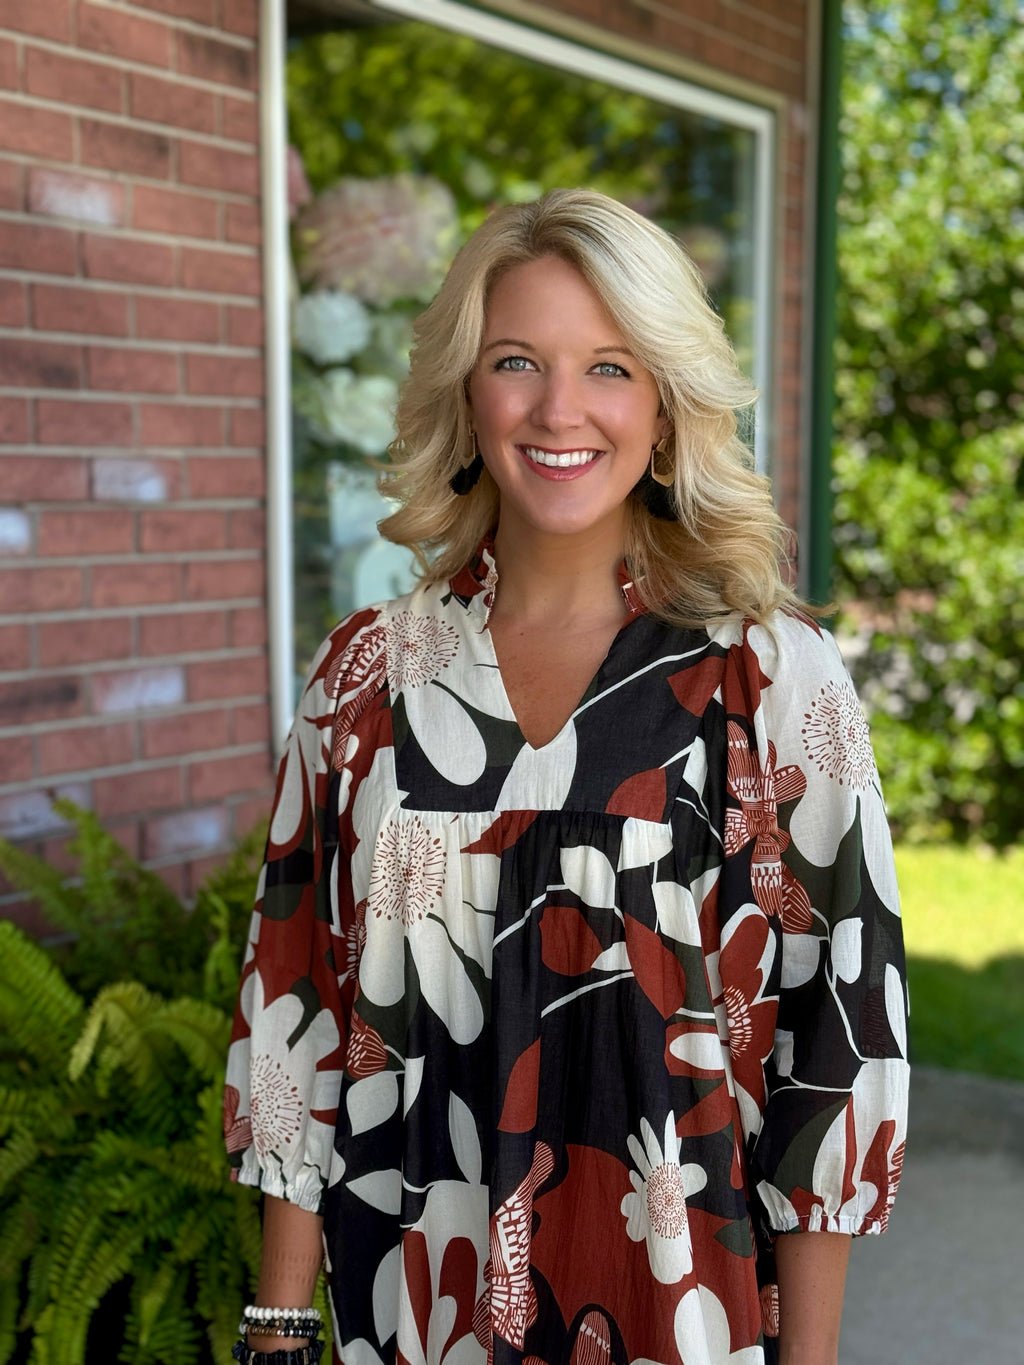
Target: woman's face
[(565, 415)]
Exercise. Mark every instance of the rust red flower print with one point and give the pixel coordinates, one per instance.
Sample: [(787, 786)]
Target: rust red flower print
[(408, 873), (419, 648), (836, 737), (759, 791)]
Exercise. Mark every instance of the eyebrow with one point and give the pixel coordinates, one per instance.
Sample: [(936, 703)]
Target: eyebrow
[(525, 346)]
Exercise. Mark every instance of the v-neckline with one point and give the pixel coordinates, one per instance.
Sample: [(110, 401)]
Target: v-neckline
[(591, 689)]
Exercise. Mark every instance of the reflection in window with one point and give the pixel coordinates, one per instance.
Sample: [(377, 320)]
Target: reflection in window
[(405, 137)]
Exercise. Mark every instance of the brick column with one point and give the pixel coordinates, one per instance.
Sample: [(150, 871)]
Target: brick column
[(132, 622)]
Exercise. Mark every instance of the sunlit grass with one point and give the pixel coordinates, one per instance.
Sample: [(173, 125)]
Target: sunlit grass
[(963, 917)]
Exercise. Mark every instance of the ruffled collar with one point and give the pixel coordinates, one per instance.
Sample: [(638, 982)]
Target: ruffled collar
[(476, 584)]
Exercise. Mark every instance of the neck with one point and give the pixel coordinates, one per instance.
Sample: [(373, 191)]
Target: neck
[(548, 578)]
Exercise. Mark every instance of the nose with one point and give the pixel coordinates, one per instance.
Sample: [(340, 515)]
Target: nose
[(558, 403)]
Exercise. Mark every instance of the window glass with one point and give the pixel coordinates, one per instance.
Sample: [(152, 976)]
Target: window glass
[(404, 137)]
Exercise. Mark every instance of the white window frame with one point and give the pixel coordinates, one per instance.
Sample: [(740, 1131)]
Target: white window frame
[(525, 41)]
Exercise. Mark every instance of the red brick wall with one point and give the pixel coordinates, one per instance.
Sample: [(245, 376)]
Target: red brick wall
[(133, 669)]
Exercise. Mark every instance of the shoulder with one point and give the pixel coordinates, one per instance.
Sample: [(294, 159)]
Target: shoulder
[(794, 650)]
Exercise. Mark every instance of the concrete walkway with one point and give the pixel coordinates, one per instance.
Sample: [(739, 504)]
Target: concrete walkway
[(945, 1284)]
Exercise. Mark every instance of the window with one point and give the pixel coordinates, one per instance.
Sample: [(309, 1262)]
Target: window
[(408, 121)]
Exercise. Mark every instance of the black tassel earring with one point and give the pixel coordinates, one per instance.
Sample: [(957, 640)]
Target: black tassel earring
[(655, 490), (467, 476)]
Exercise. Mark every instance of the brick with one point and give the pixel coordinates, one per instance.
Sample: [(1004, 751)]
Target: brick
[(30, 590), (34, 131), (245, 326), (241, 16), (86, 641), (218, 168), (86, 533), (15, 532), (121, 258), (177, 319), (233, 476), (119, 480), (186, 215), (144, 790), (30, 814), (251, 724), (45, 478), (177, 424), (247, 529), (121, 34), (45, 250), (39, 364), (80, 748), (186, 832), (175, 878), (49, 20), (10, 186), (170, 101), (60, 194), (67, 308), (190, 733), (137, 689), (40, 699), (243, 224), (13, 421), (215, 679), (221, 580), (71, 80), (252, 813), (16, 758), (200, 11), (248, 427), (15, 653), (248, 627), (212, 59), (214, 778), (220, 272), (132, 371), (133, 151), (177, 532), (8, 65), (239, 119), (13, 312), (234, 376), (183, 632), (130, 585), (82, 423)]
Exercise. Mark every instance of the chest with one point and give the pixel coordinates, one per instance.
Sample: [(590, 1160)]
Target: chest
[(546, 673)]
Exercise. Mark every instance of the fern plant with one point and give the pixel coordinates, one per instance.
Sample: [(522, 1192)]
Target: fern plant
[(121, 1236)]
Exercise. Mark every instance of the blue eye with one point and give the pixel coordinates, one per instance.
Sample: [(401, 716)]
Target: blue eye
[(516, 363), (609, 368)]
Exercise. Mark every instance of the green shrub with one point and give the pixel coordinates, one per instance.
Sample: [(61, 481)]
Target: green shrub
[(121, 1236)]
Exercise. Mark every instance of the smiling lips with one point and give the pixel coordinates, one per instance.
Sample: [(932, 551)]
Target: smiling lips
[(559, 464)]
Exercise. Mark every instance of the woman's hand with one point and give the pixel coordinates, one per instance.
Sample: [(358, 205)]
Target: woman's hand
[(289, 1266), (812, 1276)]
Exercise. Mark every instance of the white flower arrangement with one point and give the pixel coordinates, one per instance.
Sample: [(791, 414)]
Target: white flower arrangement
[(351, 409), (330, 326)]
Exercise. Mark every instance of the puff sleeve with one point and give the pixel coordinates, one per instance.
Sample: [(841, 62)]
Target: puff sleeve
[(291, 1022), (808, 848)]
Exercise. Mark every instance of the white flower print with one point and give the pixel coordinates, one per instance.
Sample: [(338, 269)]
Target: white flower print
[(702, 1332), (835, 735), (419, 648), (656, 1209), (408, 874)]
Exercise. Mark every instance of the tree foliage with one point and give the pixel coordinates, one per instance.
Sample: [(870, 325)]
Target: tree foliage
[(929, 473)]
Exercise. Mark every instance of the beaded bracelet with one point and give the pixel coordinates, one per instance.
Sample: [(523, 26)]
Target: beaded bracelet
[(304, 1355), (280, 1327)]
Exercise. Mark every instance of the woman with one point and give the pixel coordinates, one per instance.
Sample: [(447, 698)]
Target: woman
[(572, 1023)]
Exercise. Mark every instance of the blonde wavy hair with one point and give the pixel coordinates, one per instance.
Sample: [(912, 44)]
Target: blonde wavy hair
[(723, 554)]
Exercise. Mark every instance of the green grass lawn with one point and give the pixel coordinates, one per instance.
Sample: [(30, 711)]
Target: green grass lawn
[(963, 917)]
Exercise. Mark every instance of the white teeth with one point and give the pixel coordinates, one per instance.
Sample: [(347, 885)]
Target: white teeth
[(563, 460)]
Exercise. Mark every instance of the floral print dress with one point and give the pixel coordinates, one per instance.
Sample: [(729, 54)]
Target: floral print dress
[(559, 1039)]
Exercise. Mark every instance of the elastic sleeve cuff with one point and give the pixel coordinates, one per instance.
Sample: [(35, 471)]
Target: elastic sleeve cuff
[(305, 1189)]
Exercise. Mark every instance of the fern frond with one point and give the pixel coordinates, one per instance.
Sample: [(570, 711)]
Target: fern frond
[(201, 1031), (8, 1318), (17, 1153), (120, 1013), (39, 1012), (19, 1228), (47, 886)]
